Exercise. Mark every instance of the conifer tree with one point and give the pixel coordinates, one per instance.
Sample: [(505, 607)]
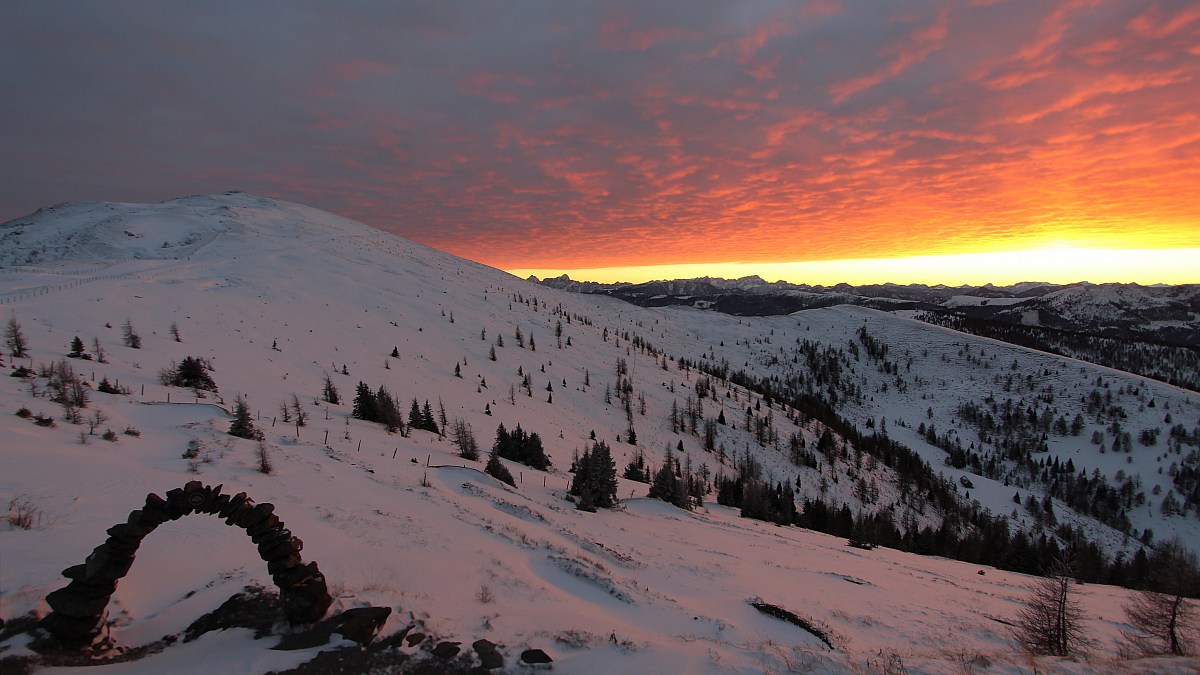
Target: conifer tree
[(130, 336), (329, 392), (637, 469), (387, 412), (365, 407), (243, 421), (496, 469), (76, 348), (14, 338), (414, 415), (428, 423), (668, 486)]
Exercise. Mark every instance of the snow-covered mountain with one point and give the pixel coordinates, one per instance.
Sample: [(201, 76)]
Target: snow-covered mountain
[(277, 297), (1148, 330), (1168, 314)]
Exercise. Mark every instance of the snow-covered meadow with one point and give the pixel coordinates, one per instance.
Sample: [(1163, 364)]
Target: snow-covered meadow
[(276, 296)]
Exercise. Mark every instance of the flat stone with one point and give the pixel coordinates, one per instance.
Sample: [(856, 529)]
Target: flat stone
[(447, 650), (75, 572), (275, 533), (278, 548), (415, 639), (255, 515), (230, 506), (535, 657), (268, 539), (155, 510), (106, 564), (361, 624), (288, 576), (489, 656), (123, 546), (284, 563), (236, 512), (177, 504), (92, 588), (72, 631), (75, 605), (265, 525)]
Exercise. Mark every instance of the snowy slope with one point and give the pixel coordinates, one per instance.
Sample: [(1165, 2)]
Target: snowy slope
[(276, 295)]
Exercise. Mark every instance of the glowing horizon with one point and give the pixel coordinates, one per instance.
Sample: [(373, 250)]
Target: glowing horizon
[(629, 136), (1054, 264)]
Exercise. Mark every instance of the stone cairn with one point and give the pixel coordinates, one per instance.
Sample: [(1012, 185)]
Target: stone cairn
[(78, 616)]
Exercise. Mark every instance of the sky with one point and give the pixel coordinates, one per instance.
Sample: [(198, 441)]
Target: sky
[(817, 141)]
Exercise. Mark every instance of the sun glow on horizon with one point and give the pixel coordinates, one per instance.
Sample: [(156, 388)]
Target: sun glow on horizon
[(1056, 263)]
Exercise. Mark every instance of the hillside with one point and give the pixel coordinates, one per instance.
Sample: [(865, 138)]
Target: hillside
[(1146, 330), (277, 297)]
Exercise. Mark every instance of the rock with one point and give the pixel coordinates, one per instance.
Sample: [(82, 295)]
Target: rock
[(415, 639), (214, 496), (123, 546), (282, 564), (155, 510), (289, 576), (140, 522), (76, 605), (361, 624), (73, 631), (255, 608), (447, 650), (255, 515), (306, 601), (269, 523), (274, 532), (177, 504), (106, 564), (75, 572), (489, 657), (535, 657), (219, 503), (278, 548), (234, 503), (92, 588)]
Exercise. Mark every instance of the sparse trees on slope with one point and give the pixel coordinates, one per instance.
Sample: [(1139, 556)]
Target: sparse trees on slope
[(1162, 618), (1051, 622)]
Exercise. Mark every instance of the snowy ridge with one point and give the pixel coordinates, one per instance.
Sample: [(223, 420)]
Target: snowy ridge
[(276, 296)]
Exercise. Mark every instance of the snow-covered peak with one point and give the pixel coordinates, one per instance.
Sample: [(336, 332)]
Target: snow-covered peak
[(209, 225)]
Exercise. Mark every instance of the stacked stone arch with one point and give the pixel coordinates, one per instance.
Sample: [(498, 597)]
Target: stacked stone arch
[(78, 609)]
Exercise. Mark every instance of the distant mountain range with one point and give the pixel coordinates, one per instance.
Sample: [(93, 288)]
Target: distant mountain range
[(1159, 314)]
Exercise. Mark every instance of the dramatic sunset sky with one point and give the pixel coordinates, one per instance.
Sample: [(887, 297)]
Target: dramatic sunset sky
[(952, 141)]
